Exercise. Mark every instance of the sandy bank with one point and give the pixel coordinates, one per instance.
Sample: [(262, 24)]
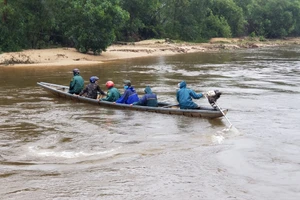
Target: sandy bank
[(69, 56)]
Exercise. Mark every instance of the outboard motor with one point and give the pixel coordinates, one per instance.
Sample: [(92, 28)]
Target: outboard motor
[(212, 97)]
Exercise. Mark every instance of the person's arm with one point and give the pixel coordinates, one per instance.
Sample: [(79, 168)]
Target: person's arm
[(72, 84), (83, 91), (142, 101), (101, 91), (109, 97), (195, 95), (177, 96)]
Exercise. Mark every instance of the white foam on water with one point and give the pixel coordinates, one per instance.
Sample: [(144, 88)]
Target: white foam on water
[(225, 133), (67, 154), (232, 131), (217, 139)]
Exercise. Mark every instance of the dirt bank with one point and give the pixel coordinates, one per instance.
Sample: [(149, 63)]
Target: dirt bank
[(69, 56)]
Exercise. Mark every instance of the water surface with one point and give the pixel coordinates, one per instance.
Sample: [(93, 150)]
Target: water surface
[(52, 148)]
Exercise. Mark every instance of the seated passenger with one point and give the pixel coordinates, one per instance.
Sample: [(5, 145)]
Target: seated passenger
[(92, 89), (184, 97), (113, 93), (130, 96), (149, 99), (76, 83)]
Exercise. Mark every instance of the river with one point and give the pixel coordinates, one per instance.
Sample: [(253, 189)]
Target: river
[(52, 148)]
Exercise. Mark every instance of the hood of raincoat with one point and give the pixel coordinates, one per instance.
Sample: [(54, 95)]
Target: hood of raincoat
[(182, 84), (131, 89), (148, 90)]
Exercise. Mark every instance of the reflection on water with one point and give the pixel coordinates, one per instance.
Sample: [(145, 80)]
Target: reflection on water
[(66, 150)]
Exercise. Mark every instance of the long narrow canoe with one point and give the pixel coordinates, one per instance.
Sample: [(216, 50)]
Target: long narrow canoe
[(164, 108)]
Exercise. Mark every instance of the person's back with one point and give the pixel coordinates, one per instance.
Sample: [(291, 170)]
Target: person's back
[(92, 89), (149, 99), (77, 83), (130, 96), (184, 97), (113, 93)]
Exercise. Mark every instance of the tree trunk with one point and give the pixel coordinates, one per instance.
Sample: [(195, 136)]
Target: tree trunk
[(4, 16)]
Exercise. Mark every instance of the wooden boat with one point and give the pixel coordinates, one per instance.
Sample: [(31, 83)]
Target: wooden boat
[(163, 107)]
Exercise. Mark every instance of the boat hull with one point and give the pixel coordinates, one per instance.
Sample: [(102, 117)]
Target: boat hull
[(163, 108)]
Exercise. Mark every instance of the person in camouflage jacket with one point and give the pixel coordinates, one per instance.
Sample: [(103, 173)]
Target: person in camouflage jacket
[(92, 89)]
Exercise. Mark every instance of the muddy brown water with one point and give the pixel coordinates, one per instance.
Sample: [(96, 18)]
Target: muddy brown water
[(51, 148)]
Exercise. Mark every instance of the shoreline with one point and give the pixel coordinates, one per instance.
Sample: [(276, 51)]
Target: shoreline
[(146, 48)]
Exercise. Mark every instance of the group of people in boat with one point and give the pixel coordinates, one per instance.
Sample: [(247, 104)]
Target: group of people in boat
[(184, 95)]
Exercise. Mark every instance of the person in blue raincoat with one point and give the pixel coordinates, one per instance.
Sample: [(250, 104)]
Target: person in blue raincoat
[(130, 96), (184, 97), (149, 99)]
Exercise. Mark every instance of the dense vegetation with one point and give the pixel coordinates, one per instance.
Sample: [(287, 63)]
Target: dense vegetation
[(93, 25)]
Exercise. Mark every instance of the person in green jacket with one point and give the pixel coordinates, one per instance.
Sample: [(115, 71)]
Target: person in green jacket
[(77, 83), (112, 94)]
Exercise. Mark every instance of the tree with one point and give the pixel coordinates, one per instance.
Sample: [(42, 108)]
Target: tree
[(4, 14), (144, 19), (216, 26), (273, 18), (295, 9), (11, 36), (92, 23), (175, 17), (228, 11)]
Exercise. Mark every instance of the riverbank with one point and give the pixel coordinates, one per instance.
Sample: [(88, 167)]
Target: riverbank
[(69, 56)]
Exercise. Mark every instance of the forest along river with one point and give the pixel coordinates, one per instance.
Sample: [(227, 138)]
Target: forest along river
[(52, 148)]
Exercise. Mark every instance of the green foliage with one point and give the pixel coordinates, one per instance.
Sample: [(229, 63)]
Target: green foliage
[(284, 22), (10, 32), (27, 25), (231, 15), (216, 26), (93, 25), (253, 35), (273, 18), (184, 19), (9, 41), (262, 38), (144, 19), (35, 21)]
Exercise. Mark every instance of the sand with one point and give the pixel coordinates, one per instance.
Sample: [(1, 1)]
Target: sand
[(69, 56)]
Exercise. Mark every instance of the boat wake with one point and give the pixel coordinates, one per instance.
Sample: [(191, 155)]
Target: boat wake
[(232, 131), (217, 139), (225, 133), (68, 154)]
